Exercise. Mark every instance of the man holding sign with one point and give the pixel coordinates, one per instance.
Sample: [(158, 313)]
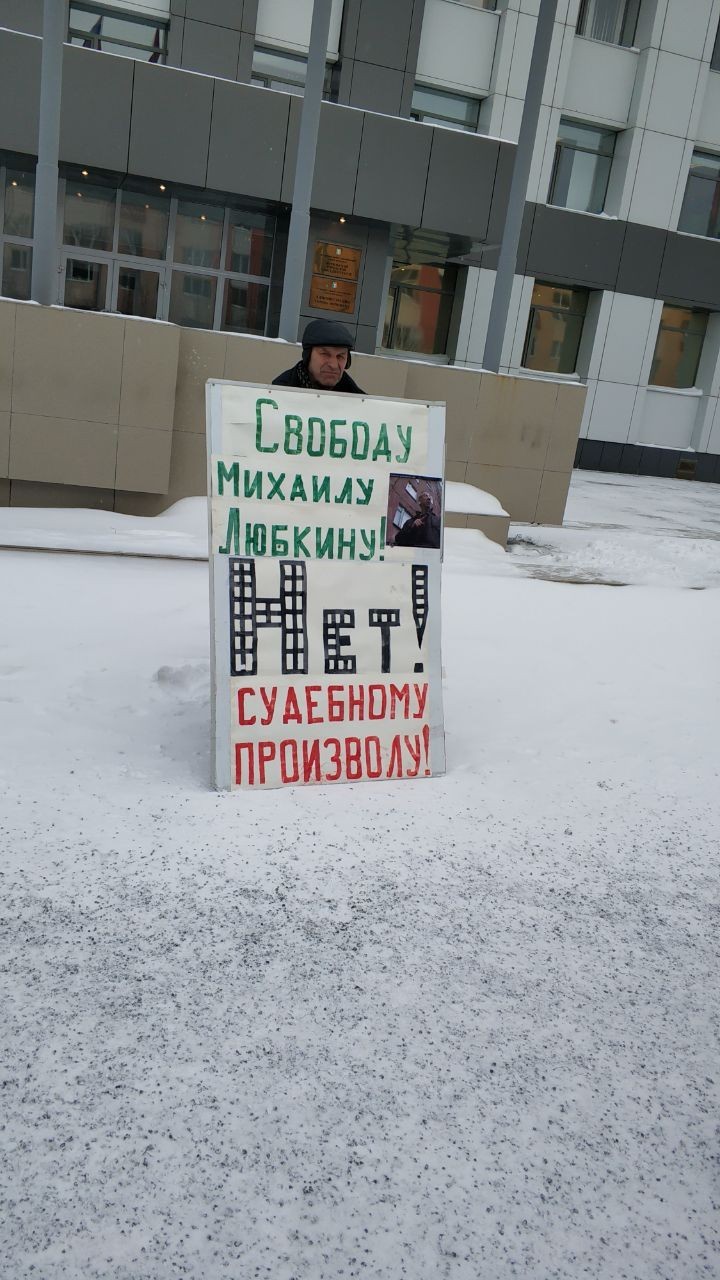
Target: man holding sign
[(326, 347), (326, 634)]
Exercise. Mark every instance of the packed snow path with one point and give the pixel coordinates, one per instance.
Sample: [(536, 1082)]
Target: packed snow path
[(465, 1027)]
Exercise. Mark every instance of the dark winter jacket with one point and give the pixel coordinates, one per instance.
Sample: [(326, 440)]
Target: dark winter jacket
[(421, 531), (292, 378)]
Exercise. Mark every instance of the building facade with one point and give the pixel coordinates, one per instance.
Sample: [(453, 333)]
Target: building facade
[(179, 128)]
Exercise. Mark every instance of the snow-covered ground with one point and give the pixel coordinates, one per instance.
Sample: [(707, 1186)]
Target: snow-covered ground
[(461, 1028)]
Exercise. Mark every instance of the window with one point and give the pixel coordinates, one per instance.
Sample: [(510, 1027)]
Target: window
[(613, 21), (554, 328), (700, 213), (678, 347), (143, 224), (17, 196), (285, 71), (581, 170), (419, 307), (113, 31), (146, 252), (89, 216), (435, 106)]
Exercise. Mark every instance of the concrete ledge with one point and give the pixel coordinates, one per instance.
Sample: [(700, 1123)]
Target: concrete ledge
[(494, 527)]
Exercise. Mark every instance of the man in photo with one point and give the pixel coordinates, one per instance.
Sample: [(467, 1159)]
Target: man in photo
[(423, 530)]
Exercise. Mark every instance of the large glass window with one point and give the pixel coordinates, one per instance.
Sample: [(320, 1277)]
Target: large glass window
[(19, 201), (16, 271), (250, 243), (554, 328), (245, 306), (678, 347), (143, 224), (89, 216), (581, 171), (435, 106), (109, 30), (285, 71), (612, 21), (198, 234), (700, 213), (419, 307), (17, 194), (146, 252), (192, 299), (86, 284)]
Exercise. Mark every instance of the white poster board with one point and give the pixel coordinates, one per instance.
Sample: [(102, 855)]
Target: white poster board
[(325, 555)]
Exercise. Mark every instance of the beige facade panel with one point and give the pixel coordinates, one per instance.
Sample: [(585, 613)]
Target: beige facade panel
[(149, 375), (119, 404), (7, 344), (567, 417), (515, 422), (29, 493), (62, 451), (516, 488), (552, 498), (140, 504), (4, 441), (68, 364), (459, 388), (188, 466), (494, 527), (257, 359), (379, 376), (143, 460), (455, 471), (201, 356)]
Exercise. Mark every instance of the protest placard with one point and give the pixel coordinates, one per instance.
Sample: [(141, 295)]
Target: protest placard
[(325, 555)]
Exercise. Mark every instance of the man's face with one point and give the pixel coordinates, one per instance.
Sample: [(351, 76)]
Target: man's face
[(327, 365), (424, 503)]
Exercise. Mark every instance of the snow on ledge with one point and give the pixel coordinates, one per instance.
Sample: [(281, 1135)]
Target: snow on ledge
[(466, 499)]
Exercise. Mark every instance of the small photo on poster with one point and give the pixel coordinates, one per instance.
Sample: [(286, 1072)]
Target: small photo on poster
[(414, 512)]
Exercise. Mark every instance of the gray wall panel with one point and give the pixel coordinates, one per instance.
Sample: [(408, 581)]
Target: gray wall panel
[(376, 88), (501, 192), (96, 106), (178, 7), (372, 301), (690, 271), (247, 140), (349, 28), (291, 146), (20, 58), (211, 50), (22, 15), (394, 157), (221, 13), (338, 156), (460, 184), (170, 126), (383, 32), (247, 48), (366, 338), (574, 248), (249, 18), (640, 260), (175, 41)]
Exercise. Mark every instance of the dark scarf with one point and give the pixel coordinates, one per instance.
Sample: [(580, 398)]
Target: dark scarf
[(303, 376)]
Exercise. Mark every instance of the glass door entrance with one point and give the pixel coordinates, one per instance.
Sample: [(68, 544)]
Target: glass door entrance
[(136, 290), (111, 285)]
